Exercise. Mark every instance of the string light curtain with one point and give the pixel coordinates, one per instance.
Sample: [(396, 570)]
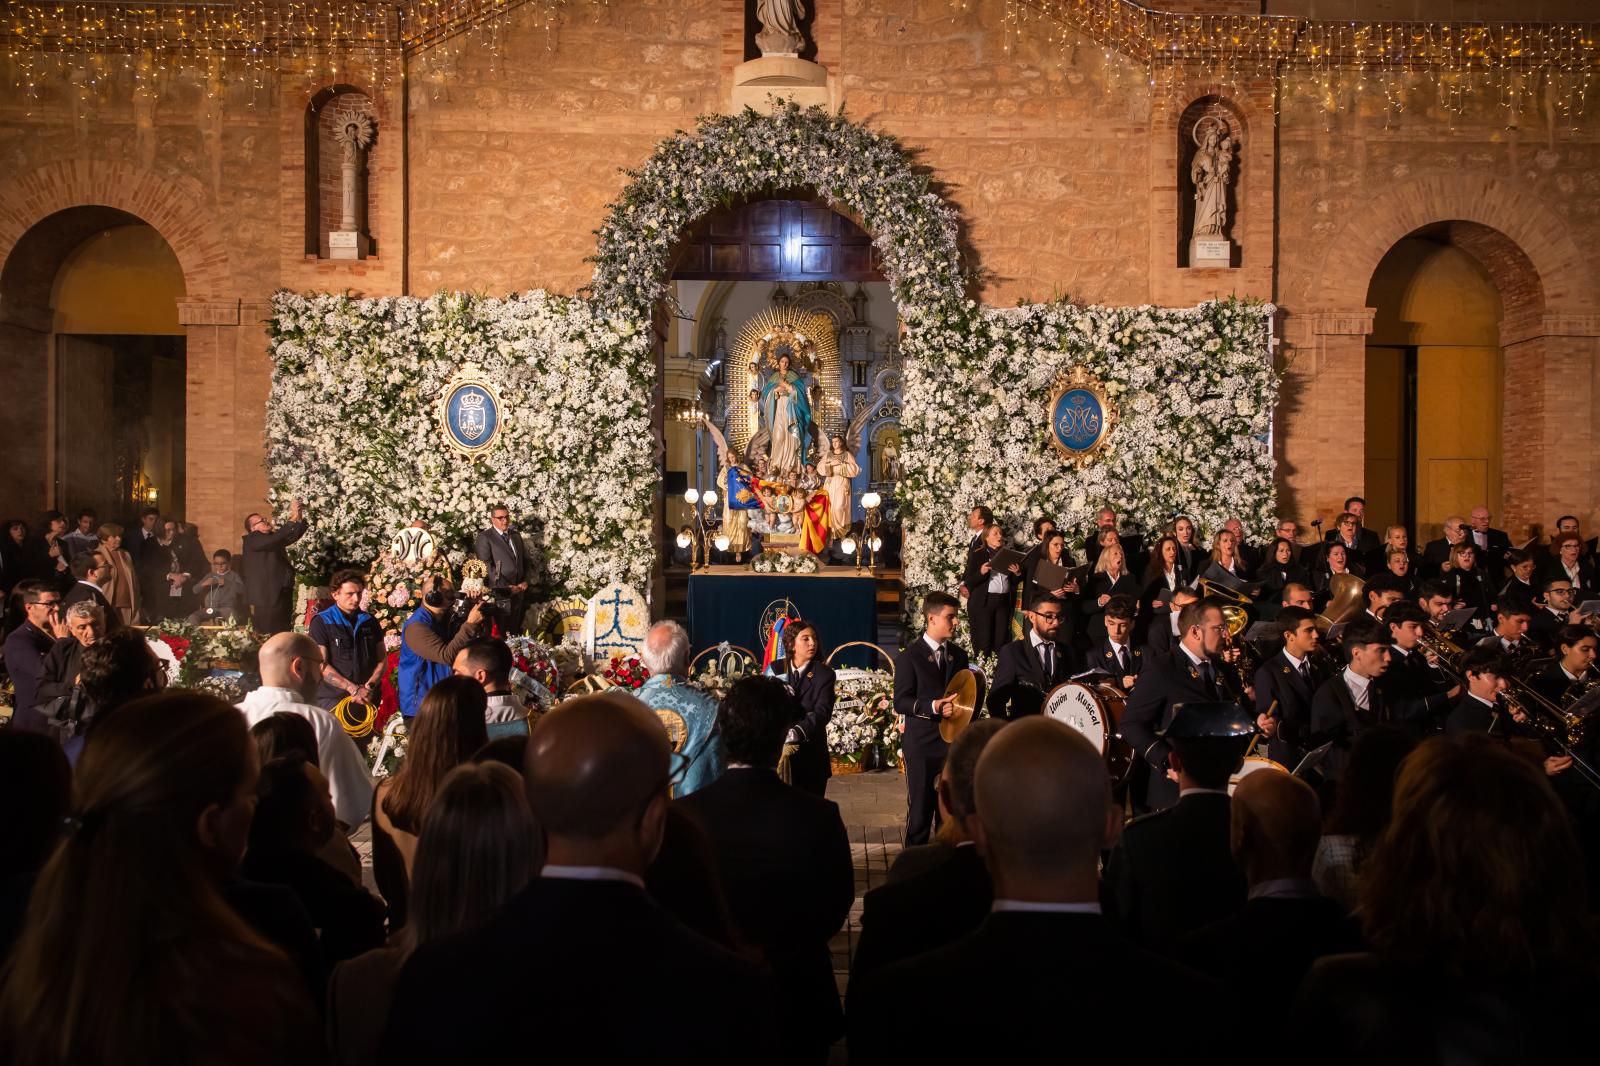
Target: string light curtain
[(1546, 67)]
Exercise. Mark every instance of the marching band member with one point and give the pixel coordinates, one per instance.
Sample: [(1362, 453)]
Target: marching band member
[(1417, 690), (1379, 594), (1553, 611), (1481, 711), (1285, 685), (990, 594), (921, 673), (1192, 673), (1028, 669), (1297, 595), (1436, 600), (1114, 653), (1348, 704), (1510, 631), (1576, 647)]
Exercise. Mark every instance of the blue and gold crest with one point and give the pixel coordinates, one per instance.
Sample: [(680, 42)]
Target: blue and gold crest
[(1081, 417), (470, 413)]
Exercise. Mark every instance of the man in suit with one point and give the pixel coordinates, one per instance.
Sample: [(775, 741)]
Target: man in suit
[(1043, 818), (1114, 654), (501, 549), (936, 893), (1480, 710), (1437, 552), (147, 533), (1492, 543), (784, 860), (597, 774), (1297, 595), (1510, 636), (1027, 669), (83, 540), (1571, 563), (1132, 543), (1415, 688), (1173, 871), (1347, 704), (44, 623), (1553, 611), (91, 571), (268, 577), (1284, 686), (1192, 673), (1269, 944), (1163, 636), (921, 673)]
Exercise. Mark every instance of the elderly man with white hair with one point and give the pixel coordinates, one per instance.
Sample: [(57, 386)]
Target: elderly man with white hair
[(291, 672), (688, 713)]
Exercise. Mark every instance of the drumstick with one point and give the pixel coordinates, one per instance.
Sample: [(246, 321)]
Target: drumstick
[(1257, 738)]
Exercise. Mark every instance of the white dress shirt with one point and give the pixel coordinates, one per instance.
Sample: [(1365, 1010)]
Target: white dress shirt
[(349, 780), (1358, 688)]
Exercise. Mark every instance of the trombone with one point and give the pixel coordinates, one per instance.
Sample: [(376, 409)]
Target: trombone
[(1553, 726), (1236, 616)]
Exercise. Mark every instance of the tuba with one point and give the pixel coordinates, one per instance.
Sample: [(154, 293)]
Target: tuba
[(1345, 603), (1237, 619)]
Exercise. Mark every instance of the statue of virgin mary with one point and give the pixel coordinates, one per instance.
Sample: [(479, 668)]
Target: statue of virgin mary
[(786, 412)]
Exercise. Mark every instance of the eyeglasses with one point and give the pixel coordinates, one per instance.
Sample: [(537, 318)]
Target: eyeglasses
[(1051, 617)]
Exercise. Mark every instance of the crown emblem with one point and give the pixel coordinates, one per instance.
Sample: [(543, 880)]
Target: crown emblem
[(472, 399)]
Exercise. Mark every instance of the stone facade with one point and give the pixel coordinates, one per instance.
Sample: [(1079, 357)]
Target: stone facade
[(491, 171)]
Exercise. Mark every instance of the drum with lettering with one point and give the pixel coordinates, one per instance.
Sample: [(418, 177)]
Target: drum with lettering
[(1119, 753), (1078, 706)]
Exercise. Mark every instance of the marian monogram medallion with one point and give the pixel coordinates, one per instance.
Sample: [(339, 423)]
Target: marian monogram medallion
[(470, 413), (1081, 417)]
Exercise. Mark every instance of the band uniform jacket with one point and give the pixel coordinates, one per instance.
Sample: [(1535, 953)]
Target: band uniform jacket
[(917, 683), (1416, 693), (813, 687), (267, 573), (1588, 584), (1100, 658), (1173, 872), (1166, 681), (1284, 694), (1335, 718), (506, 556), (1544, 627), (1020, 683)]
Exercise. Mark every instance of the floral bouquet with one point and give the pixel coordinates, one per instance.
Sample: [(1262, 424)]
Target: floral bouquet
[(536, 661), (776, 562), (388, 747), (852, 733), (192, 651), (871, 693), (229, 688), (625, 671), (395, 586), (720, 672)]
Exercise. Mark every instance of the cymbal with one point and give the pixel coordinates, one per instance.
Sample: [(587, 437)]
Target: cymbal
[(964, 687)]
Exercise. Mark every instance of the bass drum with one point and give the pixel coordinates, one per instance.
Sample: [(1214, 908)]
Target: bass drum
[(1119, 753), (1255, 764), (1078, 706)]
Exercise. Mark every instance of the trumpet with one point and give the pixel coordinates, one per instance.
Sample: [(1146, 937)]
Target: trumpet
[(1446, 653)]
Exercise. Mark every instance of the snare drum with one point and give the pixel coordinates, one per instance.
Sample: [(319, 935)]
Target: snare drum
[(1254, 764), (1080, 708)]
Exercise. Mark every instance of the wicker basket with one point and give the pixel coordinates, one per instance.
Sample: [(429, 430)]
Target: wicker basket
[(840, 767)]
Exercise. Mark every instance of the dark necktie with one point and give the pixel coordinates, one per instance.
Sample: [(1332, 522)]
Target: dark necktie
[(1208, 676), (1048, 660), (1305, 672), (512, 548), (1122, 661)]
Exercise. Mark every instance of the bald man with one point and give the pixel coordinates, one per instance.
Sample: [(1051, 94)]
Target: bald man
[(291, 673), (582, 964), (1268, 946), (1040, 966)]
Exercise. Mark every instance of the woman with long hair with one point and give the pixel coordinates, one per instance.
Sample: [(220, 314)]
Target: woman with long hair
[(129, 954), (479, 846), (447, 730), (1475, 910), (990, 593), (1277, 570), (1111, 578), (1467, 582), (1164, 574)]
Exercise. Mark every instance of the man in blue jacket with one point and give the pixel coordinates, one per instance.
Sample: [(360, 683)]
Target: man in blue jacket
[(351, 643), (429, 642)]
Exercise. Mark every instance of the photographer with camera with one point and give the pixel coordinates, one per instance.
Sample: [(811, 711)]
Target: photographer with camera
[(432, 637)]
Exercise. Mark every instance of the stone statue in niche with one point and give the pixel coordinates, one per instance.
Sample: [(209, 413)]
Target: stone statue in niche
[(355, 131), (780, 27), (1211, 171)]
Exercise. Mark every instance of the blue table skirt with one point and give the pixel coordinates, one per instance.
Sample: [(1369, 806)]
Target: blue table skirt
[(728, 607)]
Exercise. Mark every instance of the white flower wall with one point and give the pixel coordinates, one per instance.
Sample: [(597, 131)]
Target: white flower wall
[(351, 425), (351, 429)]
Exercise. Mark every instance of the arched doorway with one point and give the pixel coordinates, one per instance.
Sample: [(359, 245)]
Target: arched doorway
[(1435, 372), (96, 364)]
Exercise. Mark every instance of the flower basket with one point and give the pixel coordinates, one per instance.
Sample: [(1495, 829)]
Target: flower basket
[(842, 767)]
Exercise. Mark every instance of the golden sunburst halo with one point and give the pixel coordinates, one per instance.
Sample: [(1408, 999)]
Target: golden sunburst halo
[(805, 333)]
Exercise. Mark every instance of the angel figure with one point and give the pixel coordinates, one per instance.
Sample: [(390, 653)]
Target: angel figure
[(837, 468), (738, 495)]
